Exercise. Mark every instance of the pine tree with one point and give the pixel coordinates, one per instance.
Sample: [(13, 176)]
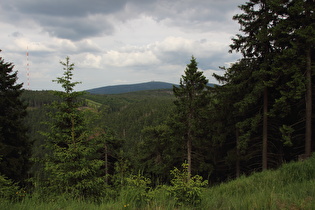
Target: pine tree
[(190, 102), (73, 163), (15, 147)]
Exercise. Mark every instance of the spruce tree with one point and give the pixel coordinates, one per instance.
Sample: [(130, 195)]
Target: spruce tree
[(303, 12), (294, 39), (73, 163), (278, 41), (15, 147), (190, 103), (226, 116), (257, 44)]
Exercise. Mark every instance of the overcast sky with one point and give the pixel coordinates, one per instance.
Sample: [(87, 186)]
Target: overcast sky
[(116, 41)]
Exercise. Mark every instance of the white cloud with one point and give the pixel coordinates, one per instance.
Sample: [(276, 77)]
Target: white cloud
[(90, 60), (127, 59)]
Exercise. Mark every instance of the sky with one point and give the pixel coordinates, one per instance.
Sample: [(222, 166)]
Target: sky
[(113, 42)]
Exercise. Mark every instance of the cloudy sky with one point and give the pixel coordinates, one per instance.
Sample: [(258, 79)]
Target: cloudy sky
[(116, 41)]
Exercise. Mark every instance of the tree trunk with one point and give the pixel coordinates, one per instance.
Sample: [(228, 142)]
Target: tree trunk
[(238, 168), (189, 144), (189, 157), (106, 164), (308, 105), (265, 132)]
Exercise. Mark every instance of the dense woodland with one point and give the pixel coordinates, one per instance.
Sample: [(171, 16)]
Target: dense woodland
[(259, 117)]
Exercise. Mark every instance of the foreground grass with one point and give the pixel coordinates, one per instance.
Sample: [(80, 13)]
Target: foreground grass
[(290, 187)]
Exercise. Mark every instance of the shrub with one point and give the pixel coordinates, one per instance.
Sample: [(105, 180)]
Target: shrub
[(185, 190), (8, 189), (137, 191)]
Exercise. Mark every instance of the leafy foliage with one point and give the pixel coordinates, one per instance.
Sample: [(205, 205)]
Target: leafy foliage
[(8, 189), (136, 191), (186, 191)]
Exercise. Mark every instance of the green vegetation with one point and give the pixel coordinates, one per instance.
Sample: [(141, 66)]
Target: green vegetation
[(15, 145), (290, 187), (72, 163), (190, 102), (126, 150)]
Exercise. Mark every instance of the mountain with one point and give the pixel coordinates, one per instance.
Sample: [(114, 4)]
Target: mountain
[(117, 89)]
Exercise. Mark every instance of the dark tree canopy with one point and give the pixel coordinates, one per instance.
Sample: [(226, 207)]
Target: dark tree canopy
[(190, 103), (14, 145)]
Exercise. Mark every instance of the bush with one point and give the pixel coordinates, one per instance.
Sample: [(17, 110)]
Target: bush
[(185, 190), (137, 191), (9, 190)]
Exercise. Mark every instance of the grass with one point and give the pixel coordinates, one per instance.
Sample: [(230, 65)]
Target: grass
[(290, 187)]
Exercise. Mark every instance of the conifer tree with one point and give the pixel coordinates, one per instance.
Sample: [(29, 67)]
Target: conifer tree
[(256, 43), (190, 102), (73, 163), (302, 13), (281, 49), (14, 144), (227, 118), (294, 40)]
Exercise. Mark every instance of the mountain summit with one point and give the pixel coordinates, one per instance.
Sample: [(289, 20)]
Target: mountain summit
[(116, 89)]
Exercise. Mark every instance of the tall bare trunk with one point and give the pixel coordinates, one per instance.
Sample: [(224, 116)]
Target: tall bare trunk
[(106, 164), (308, 105), (265, 132), (189, 156), (238, 168), (189, 143)]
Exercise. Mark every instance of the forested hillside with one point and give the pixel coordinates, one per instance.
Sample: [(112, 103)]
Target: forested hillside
[(125, 115), (102, 147)]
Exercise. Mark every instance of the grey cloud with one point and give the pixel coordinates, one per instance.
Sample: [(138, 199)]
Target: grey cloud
[(17, 34), (69, 18), (76, 28), (66, 8), (190, 12)]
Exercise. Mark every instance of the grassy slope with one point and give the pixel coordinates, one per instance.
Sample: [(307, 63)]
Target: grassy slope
[(290, 187)]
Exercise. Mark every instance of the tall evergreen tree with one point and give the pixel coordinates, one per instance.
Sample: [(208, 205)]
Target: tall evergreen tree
[(227, 117), (303, 12), (73, 163), (190, 102), (257, 44), (14, 144), (280, 50), (294, 33)]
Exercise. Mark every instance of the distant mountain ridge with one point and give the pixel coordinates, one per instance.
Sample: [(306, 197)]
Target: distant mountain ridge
[(117, 89)]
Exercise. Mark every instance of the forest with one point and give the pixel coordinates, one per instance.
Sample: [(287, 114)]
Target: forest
[(137, 147)]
